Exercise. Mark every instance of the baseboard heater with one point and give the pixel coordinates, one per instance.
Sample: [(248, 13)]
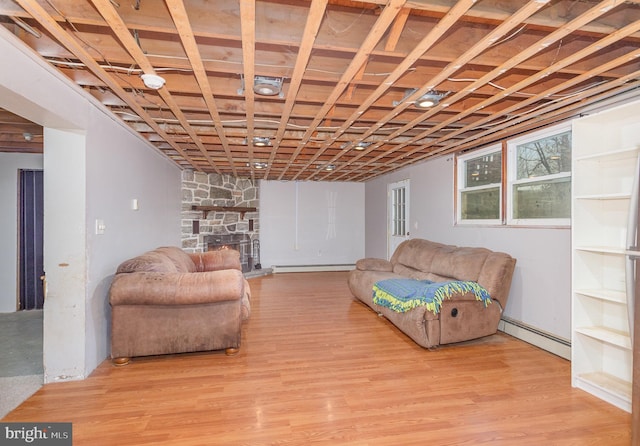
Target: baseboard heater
[(546, 341), (311, 268)]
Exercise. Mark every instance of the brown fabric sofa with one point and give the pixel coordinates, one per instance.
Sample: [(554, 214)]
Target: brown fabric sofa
[(460, 318), (170, 301)]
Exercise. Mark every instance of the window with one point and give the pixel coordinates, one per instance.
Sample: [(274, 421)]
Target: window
[(537, 183), (540, 178), (480, 186), (398, 218)]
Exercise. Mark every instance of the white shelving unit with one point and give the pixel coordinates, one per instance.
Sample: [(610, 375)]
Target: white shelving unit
[(606, 147)]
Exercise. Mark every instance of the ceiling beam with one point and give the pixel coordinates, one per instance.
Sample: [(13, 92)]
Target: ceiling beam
[(42, 17), (385, 19), (115, 22), (183, 25)]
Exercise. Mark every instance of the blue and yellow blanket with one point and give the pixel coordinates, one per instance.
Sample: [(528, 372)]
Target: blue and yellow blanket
[(404, 294)]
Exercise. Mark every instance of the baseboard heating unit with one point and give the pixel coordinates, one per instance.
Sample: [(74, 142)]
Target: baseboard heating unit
[(546, 341), (311, 268)]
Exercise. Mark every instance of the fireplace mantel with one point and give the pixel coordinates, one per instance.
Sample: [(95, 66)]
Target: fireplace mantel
[(241, 209)]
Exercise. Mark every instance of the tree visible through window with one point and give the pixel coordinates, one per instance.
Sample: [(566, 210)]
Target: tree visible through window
[(537, 183), (542, 185)]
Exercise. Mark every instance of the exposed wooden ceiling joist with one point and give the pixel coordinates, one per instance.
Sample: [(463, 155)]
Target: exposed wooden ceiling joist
[(350, 72)]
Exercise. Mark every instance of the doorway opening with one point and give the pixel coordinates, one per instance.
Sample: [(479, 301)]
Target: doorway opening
[(31, 240)]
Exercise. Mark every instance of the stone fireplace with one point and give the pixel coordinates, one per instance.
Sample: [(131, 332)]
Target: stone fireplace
[(220, 212), (240, 242)]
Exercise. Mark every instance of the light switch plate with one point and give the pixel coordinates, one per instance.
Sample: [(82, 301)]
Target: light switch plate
[(100, 227)]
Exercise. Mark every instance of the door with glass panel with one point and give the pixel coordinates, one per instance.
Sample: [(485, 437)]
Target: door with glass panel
[(398, 215)]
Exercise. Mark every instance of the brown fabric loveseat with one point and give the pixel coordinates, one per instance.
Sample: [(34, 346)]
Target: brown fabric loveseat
[(170, 301), (462, 317)]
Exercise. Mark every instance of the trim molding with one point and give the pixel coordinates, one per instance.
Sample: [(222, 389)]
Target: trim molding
[(546, 341), (311, 268)]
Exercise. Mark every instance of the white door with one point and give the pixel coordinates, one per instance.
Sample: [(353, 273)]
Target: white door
[(398, 215)]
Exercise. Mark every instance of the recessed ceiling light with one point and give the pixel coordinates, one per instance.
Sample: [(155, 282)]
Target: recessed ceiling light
[(261, 141), (428, 100), (267, 86), (153, 81)]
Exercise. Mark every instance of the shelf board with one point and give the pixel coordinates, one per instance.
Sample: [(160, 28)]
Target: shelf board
[(618, 297), (616, 196), (602, 249), (242, 210), (607, 387), (621, 154), (614, 337)]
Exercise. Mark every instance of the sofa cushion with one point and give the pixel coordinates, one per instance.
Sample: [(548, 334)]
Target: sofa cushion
[(460, 263), (373, 264), (181, 260), (416, 253), (150, 262)]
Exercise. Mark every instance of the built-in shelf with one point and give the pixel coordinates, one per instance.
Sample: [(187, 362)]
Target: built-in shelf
[(619, 297), (614, 337), (606, 386), (241, 209), (605, 148), (623, 196), (602, 249), (611, 155)]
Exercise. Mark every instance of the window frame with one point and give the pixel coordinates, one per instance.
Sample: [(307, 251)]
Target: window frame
[(461, 187), (512, 177)]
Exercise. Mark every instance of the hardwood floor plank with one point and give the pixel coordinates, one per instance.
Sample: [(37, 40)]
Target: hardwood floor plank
[(318, 367)]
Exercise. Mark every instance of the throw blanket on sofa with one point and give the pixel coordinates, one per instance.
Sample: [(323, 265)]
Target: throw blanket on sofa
[(402, 295)]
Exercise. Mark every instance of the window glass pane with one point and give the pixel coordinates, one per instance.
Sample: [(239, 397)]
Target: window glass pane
[(483, 170), (542, 199), (481, 204), (545, 156), (399, 210)]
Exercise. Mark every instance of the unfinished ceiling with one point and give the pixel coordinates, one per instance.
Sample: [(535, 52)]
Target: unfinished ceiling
[(331, 88)]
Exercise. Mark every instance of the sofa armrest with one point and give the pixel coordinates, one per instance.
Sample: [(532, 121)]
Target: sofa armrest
[(217, 260), (372, 264), (153, 288)]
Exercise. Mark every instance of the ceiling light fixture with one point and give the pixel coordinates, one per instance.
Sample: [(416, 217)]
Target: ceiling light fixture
[(260, 165), (330, 167), (261, 141), (428, 100), (362, 145), (267, 86), (27, 136), (153, 81)]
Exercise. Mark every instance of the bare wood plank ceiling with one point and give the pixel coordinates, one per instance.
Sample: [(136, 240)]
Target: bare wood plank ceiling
[(350, 74)]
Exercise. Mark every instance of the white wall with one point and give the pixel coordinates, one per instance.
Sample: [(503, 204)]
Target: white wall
[(311, 223), (541, 289), (94, 166), (10, 163)]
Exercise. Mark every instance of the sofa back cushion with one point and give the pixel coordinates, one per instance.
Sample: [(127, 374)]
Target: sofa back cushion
[(161, 260), (460, 263), (416, 253), (181, 260), (150, 262)]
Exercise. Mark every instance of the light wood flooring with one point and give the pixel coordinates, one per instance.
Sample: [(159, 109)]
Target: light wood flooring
[(317, 367)]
